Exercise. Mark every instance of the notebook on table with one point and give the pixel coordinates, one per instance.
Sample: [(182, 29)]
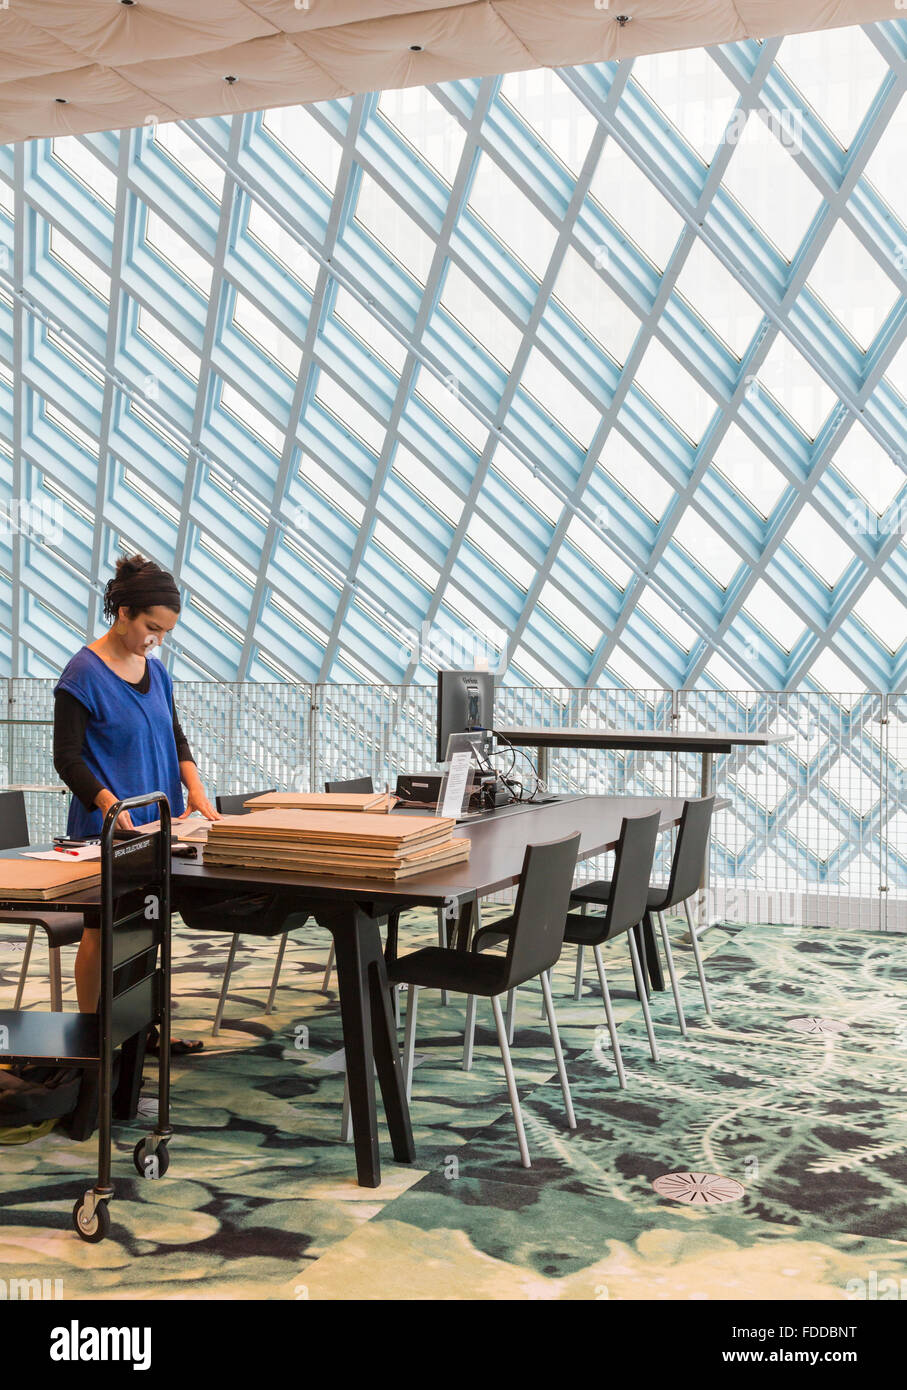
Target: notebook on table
[(320, 801), (38, 880)]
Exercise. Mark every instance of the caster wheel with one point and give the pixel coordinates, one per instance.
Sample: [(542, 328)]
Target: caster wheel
[(95, 1228), (148, 1164)]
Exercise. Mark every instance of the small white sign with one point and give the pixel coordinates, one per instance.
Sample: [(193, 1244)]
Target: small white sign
[(455, 790)]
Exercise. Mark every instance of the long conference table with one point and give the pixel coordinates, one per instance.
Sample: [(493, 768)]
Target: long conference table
[(350, 909)]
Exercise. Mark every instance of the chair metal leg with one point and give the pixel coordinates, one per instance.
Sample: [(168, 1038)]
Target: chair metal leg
[(56, 981), (580, 953), (409, 1037), (558, 1053), (469, 1032), (697, 955), (609, 1015), (643, 996), (329, 970), (346, 1120), (20, 989), (276, 976), (511, 1015), (219, 1012), (511, 1082), (442, 942), (395, 991), (675, 989)]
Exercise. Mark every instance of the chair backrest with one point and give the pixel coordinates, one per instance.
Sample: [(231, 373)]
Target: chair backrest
[(690, 850), (540, 914), (632, 874), (13, 820), (362, 785), (233, 803)]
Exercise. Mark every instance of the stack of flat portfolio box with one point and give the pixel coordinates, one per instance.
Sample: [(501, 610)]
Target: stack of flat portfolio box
[(347, 844)]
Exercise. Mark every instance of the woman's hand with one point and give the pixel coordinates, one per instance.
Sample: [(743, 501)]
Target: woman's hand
[(197, 801), (105, 799)]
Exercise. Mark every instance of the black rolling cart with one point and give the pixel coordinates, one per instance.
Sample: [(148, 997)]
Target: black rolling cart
[(135, 994)]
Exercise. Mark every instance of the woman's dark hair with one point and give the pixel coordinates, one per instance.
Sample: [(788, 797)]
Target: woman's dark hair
[(139, 584)]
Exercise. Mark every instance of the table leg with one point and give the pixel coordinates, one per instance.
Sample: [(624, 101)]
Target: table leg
[(705, 790), (370, 1039), (648, 953), (464, 924)]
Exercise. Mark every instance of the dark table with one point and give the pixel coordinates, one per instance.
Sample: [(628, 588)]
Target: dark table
[(349, 909)]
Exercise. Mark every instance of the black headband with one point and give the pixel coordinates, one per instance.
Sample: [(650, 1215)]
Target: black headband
[(141, 591)]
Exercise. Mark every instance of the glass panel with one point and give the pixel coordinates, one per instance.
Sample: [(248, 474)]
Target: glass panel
[(665, 618), (755, 478), (632, 200), (492, 545), (315, 148), (885, 166), (177, 252), (236, 404), (349, 412), (883, 613), (191, 158), (428, 485), (281, 245), (168, 343), (674, 391), (718, 298), (869, 470), (444, 398), (395, 229), (427, 126), (563, 402), (81, 265), (265, 334), (372, 333), (511, 216), (586, 295), (838, 71), (768, 184), (553, 111), (852, 285), (693, 93), (592, 546), (820, 546), (481, 319), (635, 474), (791, 381), (706, 547), (773, 614), (90, 170)]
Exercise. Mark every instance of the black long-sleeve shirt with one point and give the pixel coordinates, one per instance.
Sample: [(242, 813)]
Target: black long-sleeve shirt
[(70, 722)]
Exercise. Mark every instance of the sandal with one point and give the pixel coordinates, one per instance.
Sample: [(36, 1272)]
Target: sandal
[(178, 1046)]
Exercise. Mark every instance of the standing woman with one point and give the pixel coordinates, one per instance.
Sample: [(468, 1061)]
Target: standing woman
[(116, 733)]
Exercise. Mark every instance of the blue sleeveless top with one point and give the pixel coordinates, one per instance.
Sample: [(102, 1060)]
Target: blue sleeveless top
[(129, 743)]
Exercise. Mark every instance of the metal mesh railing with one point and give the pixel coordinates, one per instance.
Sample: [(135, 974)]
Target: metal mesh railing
[(816, 829)]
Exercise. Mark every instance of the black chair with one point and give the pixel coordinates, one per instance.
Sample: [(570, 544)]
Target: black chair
[(625, 909), (60, 928), (258, 914), (686, 876), (534, 938)]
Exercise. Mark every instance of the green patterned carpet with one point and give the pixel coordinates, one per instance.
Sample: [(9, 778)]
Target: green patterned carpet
[(261, 1201)]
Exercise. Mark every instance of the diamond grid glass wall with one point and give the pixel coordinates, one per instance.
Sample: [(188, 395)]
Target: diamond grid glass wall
[(576, 371)]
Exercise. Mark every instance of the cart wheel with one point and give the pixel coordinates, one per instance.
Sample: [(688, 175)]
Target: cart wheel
[(94, 1229), (151, 1165)]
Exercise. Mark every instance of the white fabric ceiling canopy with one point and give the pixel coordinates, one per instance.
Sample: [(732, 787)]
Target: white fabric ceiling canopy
[(72, 66)]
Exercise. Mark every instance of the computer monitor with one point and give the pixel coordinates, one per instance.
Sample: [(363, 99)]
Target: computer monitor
[(465, 701)]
